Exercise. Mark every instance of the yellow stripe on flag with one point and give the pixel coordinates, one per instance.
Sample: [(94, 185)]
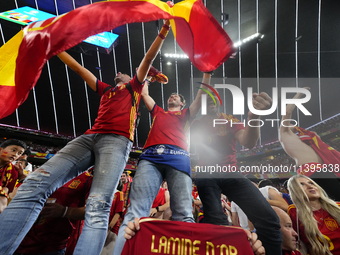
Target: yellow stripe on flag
[(9, 53), (31, 29), (181, 9)]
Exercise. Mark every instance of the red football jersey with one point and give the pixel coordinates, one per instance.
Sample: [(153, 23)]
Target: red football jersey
[(175, 237), (52, 234), (126, 193), (216, 145), (116, 114), (117, 207), (169, 128), (327, 225), (9, 176)]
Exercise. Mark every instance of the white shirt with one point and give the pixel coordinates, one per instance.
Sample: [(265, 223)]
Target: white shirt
[(265, 191), (241, 215)]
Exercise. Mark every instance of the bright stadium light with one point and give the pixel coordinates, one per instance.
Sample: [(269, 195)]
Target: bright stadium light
[(172, 55), (248, 39)]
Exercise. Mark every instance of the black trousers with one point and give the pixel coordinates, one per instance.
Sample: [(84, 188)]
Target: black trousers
[(240, 190)]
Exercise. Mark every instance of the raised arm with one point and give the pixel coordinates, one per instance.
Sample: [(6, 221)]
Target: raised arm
[(234, 219), (149, 57), (292, 144), (289, 110), (84, 73), (275, 199), (157, 211), (147, 61), (162, 208), (196, 104), (248, 137), (114, 221), (149, 102)]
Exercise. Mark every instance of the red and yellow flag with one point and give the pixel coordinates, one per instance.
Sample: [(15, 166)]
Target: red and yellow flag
[(22, 58)]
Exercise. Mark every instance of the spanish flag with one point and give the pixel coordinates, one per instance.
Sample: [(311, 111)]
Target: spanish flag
[(22, 58)]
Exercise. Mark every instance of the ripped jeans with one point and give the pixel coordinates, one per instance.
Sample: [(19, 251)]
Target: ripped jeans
[(109, 152)]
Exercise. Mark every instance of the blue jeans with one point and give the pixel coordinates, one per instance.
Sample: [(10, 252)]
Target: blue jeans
[(109, 153), (240, 190), (144, 189)]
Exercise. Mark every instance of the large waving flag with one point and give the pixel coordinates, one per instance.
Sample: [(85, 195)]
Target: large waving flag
[(23, 57)]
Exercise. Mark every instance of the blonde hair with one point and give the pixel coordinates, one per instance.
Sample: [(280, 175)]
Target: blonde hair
[(305, 213)]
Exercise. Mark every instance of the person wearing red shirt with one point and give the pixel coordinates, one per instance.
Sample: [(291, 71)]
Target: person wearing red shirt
[(116, 212), (164, 156), (57, 220), (160, 204), (106, 146), (10, 151), (117, 209), (126, 188), (315, 216), (315, 158)]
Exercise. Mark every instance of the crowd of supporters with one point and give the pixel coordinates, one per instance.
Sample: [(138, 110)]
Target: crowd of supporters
[(285, 196), (259, 154), (277, 195)]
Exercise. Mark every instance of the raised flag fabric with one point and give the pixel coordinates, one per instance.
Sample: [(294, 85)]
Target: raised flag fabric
[(22, 58), (174, 237), (329, 155)]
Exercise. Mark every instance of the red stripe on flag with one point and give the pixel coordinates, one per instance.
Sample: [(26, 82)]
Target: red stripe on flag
[(8, 102), (211, 41), (47, 22)]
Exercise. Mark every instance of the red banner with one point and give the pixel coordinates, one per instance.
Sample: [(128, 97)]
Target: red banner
[(174, 237)]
